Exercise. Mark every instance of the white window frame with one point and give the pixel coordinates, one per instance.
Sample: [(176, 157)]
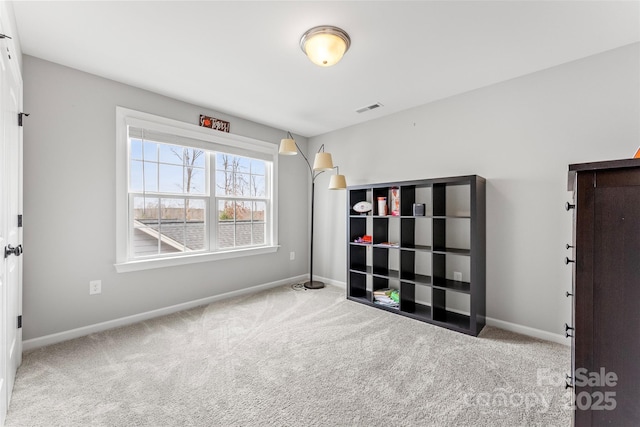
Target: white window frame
[(207, 139)]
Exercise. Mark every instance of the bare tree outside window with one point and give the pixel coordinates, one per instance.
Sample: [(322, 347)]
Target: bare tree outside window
[(234, 183), (188, 157), (239, 181)]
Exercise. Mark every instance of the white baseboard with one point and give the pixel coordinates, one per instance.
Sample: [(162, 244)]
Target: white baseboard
[(123, 321), (496, 323), (526, 330), (328, 281)]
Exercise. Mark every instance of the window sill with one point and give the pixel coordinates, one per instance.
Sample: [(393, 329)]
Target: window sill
[(148, 264)]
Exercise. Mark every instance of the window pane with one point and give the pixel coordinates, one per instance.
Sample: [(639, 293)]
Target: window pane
[(196, 157), (259, 209), (150, 151), (145, 210), (135, 176), (145, 242), (258, 186), (226, 162), (241, 184), (136, 149), (226, 235), (194, 180), (195, 226), (166, 248), (258, 234), (150, 177), (226, 210), (243, 234), (195, 210), (195, 235), (172, 154), (143, 177), (224, 183), (172, 210), (244, 164), (257, 167), (173, 235), (243, 211), (170, 179)]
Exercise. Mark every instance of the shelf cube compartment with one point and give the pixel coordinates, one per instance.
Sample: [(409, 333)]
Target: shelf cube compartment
[(446, 268), (452, 308), (380, 229), (355, 196), (415, 266), (381, 192), (357, 227), (407, 297), (381, 261), (407, 199), (358, 258), (357, 285)]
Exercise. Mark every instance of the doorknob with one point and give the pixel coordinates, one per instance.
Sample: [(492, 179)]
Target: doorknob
[(17, 251)]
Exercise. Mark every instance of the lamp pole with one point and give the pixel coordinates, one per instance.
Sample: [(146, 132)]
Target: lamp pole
[(311, 284)]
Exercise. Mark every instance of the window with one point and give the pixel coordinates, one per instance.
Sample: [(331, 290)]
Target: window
[(189, 194), (241, 199)]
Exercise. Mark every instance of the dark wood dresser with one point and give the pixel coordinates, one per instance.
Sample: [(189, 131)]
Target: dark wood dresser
[(605, 256)]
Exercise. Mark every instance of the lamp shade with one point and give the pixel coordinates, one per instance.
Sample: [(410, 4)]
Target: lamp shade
[(337, 182), (323, 162), (288, 147), (325, 45)]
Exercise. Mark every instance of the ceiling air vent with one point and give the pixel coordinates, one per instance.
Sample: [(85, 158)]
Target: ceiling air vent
[(369, 107)]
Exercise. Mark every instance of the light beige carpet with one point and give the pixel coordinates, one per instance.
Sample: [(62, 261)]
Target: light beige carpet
[(289, 357)]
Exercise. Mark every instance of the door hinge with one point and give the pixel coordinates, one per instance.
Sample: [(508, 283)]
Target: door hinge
[(20, 117), (20, 321), (19, 220)]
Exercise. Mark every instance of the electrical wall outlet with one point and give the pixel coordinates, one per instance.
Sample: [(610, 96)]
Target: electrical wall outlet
[(95, 287), (292, 256), (457, 276)]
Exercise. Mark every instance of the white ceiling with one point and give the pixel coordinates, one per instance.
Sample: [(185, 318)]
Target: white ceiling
[(243, 58)]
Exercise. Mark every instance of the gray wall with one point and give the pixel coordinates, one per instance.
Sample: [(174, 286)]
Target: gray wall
[(520, 135), (69, 207)]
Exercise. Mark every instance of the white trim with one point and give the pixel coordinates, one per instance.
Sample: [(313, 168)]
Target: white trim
[(126, 117), (328, 281), (148, 264), (124, 321), (529, 331)]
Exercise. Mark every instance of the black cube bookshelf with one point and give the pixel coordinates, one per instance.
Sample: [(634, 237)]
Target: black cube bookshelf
[(437, 260)]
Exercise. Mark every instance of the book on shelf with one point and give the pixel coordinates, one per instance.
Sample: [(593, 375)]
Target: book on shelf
[(391, 244), (387, 297)]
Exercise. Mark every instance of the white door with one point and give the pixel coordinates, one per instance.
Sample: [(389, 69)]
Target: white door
[(10, 231)]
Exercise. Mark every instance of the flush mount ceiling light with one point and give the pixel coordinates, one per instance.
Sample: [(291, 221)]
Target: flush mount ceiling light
[(325, 45)]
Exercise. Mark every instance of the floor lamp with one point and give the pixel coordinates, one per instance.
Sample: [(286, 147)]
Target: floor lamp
[(321, 163)]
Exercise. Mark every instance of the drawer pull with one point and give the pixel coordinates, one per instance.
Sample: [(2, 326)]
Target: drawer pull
[(568, 382)]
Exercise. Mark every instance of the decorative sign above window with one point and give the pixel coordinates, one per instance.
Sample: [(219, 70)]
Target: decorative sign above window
[(213, 123)]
